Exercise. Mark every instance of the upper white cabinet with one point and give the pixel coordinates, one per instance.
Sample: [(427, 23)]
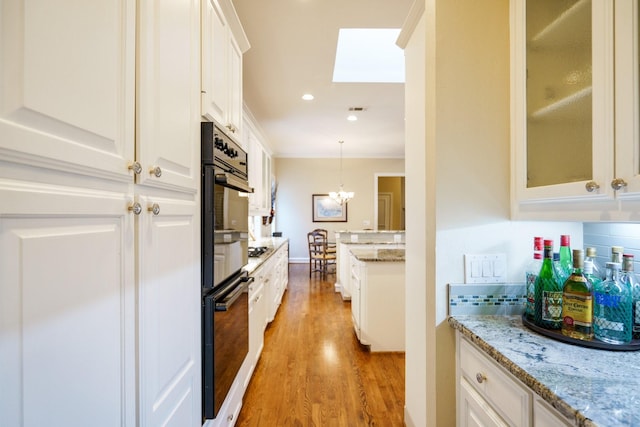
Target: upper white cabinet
[(575, 107), (168, 119), (223, 44), (67, 73), (259, 170)]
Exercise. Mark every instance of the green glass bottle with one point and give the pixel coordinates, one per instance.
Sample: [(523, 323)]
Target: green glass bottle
[(577, 302), (548, 293), (566, 262)]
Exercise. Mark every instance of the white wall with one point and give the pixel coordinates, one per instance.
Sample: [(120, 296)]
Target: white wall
[(458, 173), (299, 178)]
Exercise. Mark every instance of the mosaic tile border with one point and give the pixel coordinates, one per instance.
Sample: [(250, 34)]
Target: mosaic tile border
[(502, 299)]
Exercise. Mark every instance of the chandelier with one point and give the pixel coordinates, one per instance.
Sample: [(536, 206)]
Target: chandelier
[(341, 196)]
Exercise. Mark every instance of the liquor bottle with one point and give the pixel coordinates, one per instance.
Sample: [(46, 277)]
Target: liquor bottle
[(548, 293), (628, 278), (531, 274), (566, 263), (577, 302), (590, 255), (588, 269), (616, 254), (612, 301)]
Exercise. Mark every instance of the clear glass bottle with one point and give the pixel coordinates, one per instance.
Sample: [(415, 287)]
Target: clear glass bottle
[(531, 274), (566, 262), (577, 302), (590, 255), (588, 269), (548, 293), (612, 302), (628, 278), (616, 254)]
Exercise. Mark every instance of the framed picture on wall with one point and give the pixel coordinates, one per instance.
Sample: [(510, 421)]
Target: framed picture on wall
[(325, 209)]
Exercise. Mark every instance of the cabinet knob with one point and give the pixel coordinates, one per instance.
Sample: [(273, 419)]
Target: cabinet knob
[(156, 171), (136, 208), (618, 184), (480, 377), (154, 209), (592, 186), (135, 167)]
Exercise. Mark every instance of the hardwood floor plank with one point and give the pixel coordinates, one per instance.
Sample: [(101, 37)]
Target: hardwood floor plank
[(314, 372)]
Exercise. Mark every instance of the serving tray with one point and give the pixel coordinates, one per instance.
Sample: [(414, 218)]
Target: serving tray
[(555, 334)]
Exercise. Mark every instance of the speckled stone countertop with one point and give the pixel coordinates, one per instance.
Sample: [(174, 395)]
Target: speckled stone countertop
[(378, 255), (272, 243), (591, 386)]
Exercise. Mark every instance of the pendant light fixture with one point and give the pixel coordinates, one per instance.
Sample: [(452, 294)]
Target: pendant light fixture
[(341, 196)]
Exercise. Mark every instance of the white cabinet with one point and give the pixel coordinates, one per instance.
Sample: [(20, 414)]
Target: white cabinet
[(378, 287), (257, 324), (259, 171), (276, 280), (91, 290), (167, 114), (488, 395), (223, 44), (474, 411), (67, 307), (544, 415), (575, 108)]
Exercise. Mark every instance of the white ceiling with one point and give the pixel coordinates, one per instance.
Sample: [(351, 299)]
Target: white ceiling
[(293, 45)]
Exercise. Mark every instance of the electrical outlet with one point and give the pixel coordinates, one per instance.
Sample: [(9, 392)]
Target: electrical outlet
[(485, 268)]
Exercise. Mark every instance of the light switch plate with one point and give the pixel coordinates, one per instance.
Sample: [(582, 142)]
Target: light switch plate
[(485, 268)]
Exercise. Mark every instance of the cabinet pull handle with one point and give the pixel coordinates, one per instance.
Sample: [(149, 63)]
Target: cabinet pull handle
[(156, 171), (592, 186), (480, 377), (136, 208), (154, 209), (135, 167), (618, 184)]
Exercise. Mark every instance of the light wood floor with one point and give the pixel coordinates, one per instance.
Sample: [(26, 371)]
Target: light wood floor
[(314, 372)]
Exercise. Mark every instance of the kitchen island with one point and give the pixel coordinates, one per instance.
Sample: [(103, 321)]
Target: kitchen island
[(588, 387), (378, 297)]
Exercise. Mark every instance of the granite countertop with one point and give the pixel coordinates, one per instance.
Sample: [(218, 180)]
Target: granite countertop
[(378, 255), (592, 386), (272, 243)]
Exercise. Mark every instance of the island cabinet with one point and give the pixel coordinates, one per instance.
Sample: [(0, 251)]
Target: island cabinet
[(575, 133), (223, 44), (488, 395), (99, 219), (378, 299)]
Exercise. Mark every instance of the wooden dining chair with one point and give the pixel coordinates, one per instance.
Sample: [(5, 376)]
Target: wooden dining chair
[(319, 257), (331, 247)]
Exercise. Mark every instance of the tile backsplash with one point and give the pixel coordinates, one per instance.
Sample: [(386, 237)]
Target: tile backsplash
[(603, 235), (499, 299)]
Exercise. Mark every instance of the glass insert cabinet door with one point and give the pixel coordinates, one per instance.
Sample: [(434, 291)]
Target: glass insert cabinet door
[(563, 99)]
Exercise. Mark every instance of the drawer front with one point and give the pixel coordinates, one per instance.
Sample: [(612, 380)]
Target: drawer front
[(504, 393)]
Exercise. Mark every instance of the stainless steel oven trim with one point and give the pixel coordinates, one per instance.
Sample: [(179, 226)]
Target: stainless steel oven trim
[(230, 181)]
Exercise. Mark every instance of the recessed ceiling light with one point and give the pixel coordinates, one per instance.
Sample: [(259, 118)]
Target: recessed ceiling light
[(352, 118), (307, 97)]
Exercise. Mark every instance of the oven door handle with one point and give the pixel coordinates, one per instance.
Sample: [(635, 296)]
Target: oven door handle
[(230, 181), (230, 298)]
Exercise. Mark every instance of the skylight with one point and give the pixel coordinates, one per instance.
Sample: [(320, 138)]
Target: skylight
[(368, 55)]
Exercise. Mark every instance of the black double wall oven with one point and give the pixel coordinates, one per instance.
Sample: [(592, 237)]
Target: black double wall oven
[(225, 301)]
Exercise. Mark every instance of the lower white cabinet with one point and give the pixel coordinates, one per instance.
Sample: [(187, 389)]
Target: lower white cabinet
[(488, 395), (67, 307), (276, 278), (473, 409), (545, 416), (257, 324), (378, 303)]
